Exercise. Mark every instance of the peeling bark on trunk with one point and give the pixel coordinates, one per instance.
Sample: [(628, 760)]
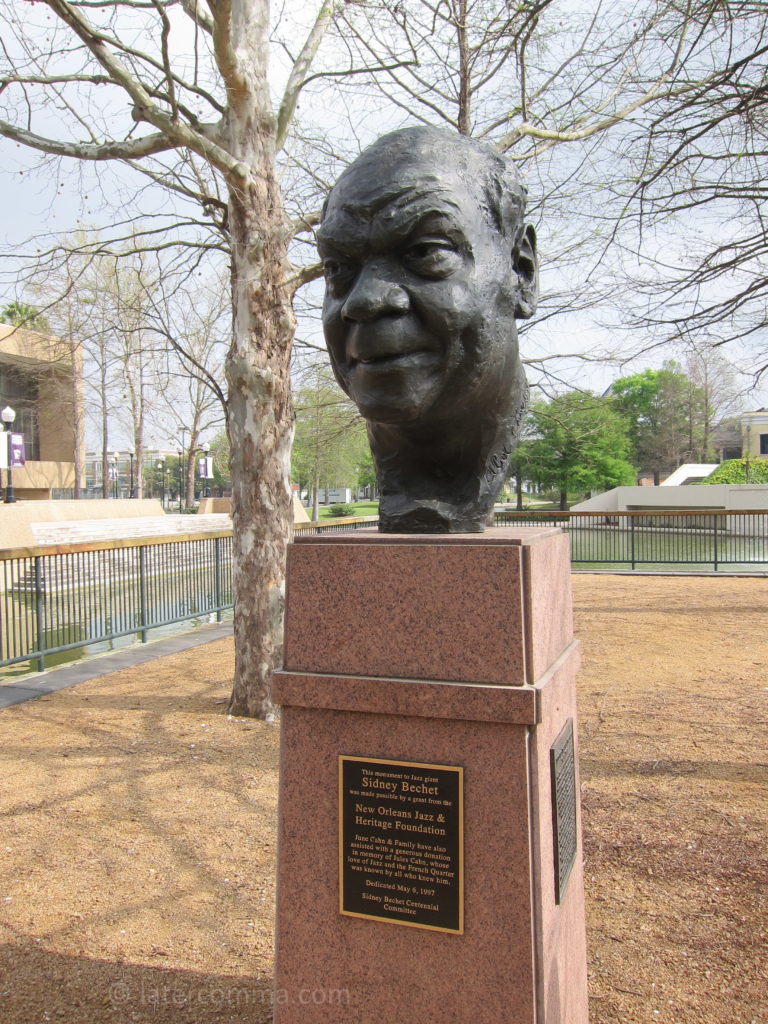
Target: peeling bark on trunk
[(261, 428)]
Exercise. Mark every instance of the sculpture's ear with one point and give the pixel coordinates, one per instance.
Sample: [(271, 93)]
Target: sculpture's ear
[(526, 264)]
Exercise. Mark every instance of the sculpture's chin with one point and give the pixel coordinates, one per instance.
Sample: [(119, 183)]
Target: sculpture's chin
[(391, 407), (399, 515), (396, 391)]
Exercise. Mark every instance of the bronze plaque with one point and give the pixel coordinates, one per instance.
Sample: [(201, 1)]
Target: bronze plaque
[(401, 842), (563, 770)]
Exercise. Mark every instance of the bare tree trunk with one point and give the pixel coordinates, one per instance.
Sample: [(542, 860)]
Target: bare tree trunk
[(139, 479), (105, 481), (194, 445), (189, 474), (464, 121), (261, 429), (315, 496), (78, 417)]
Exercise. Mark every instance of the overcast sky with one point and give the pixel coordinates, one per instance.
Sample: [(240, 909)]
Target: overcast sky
[(66, 194)]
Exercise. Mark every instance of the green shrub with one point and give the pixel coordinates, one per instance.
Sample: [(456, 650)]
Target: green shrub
[(341, 510), (734, 471)]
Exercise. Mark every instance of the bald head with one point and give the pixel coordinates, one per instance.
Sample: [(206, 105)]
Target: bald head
[(451, 158)]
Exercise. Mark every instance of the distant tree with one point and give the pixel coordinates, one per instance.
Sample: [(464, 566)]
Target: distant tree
[(222, 481), (665, 411), (192, 322), (19, 314), (579, 443), (366, 473), (720, 394), (330, 437)]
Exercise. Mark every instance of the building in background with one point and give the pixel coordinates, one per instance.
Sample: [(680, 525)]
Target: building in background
[(41, 380), (744, 436), (754, 434)]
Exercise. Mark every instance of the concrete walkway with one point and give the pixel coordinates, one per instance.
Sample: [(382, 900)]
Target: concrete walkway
[(41, 683)]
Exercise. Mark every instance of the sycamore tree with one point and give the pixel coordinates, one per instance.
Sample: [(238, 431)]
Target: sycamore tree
[(179, 92), (578, 443), (137, 82)]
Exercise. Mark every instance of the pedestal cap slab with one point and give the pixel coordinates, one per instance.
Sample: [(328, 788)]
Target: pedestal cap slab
[(470, 606)]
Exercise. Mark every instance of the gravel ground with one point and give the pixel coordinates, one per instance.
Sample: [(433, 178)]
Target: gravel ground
[(138, 826)]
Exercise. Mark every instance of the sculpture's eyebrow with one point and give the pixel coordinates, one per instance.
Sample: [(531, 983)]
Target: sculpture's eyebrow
[(397, 221), (391, 216)]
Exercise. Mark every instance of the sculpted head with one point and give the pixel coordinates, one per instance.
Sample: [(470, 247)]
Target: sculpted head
[(428, 264)]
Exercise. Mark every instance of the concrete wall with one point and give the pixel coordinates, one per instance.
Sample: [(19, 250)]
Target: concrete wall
[(209, 506), (16, 520), (724, 496), (36, 481)]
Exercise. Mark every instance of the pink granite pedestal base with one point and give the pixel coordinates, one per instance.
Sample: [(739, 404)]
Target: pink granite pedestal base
[(446, 651)]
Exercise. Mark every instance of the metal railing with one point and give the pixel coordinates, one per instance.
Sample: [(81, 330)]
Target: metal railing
[(55, 599), (712, 539), (336, 525), (660, 539)]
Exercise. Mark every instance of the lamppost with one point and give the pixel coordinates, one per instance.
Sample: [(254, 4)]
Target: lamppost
[(114, 467), (181, 454), (206, 488), (132, 492), (8, 415), (161, 467), (206, 451), (749, 453)]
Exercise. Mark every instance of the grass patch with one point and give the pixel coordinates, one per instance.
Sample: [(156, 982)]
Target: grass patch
[(361, 508)]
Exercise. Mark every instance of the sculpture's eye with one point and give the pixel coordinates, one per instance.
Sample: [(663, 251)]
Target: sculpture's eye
[(338, 275), (432, 257)]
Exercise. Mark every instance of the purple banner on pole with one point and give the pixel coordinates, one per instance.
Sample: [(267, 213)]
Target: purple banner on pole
[(17, 451)]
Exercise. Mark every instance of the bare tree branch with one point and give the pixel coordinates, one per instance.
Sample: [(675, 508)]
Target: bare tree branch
[(298, 75)]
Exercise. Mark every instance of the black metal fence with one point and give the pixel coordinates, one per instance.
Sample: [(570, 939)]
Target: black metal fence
[(54, 600), (337, 525), (712, 540)]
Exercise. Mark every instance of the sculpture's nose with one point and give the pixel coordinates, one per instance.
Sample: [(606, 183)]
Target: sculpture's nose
[(375, 293)]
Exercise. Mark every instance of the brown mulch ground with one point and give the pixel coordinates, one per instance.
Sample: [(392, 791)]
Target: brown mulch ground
[(138, 825)]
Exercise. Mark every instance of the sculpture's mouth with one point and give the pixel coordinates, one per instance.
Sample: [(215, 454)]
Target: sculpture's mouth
[(395, 360)]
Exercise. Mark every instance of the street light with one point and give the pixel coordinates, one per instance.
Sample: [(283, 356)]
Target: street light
[(180, 458), (207, 453), (113, 463), (205, 491), (161, 467), (131, 493), (8, 415)]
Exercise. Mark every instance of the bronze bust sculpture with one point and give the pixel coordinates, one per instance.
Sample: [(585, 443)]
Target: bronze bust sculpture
[(428, 264)]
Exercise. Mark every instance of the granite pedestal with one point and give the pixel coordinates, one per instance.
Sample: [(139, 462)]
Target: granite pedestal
[(454, 652)]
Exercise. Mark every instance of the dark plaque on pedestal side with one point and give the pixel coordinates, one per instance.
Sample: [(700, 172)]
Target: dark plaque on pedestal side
[(401, 842), (563, 769)]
